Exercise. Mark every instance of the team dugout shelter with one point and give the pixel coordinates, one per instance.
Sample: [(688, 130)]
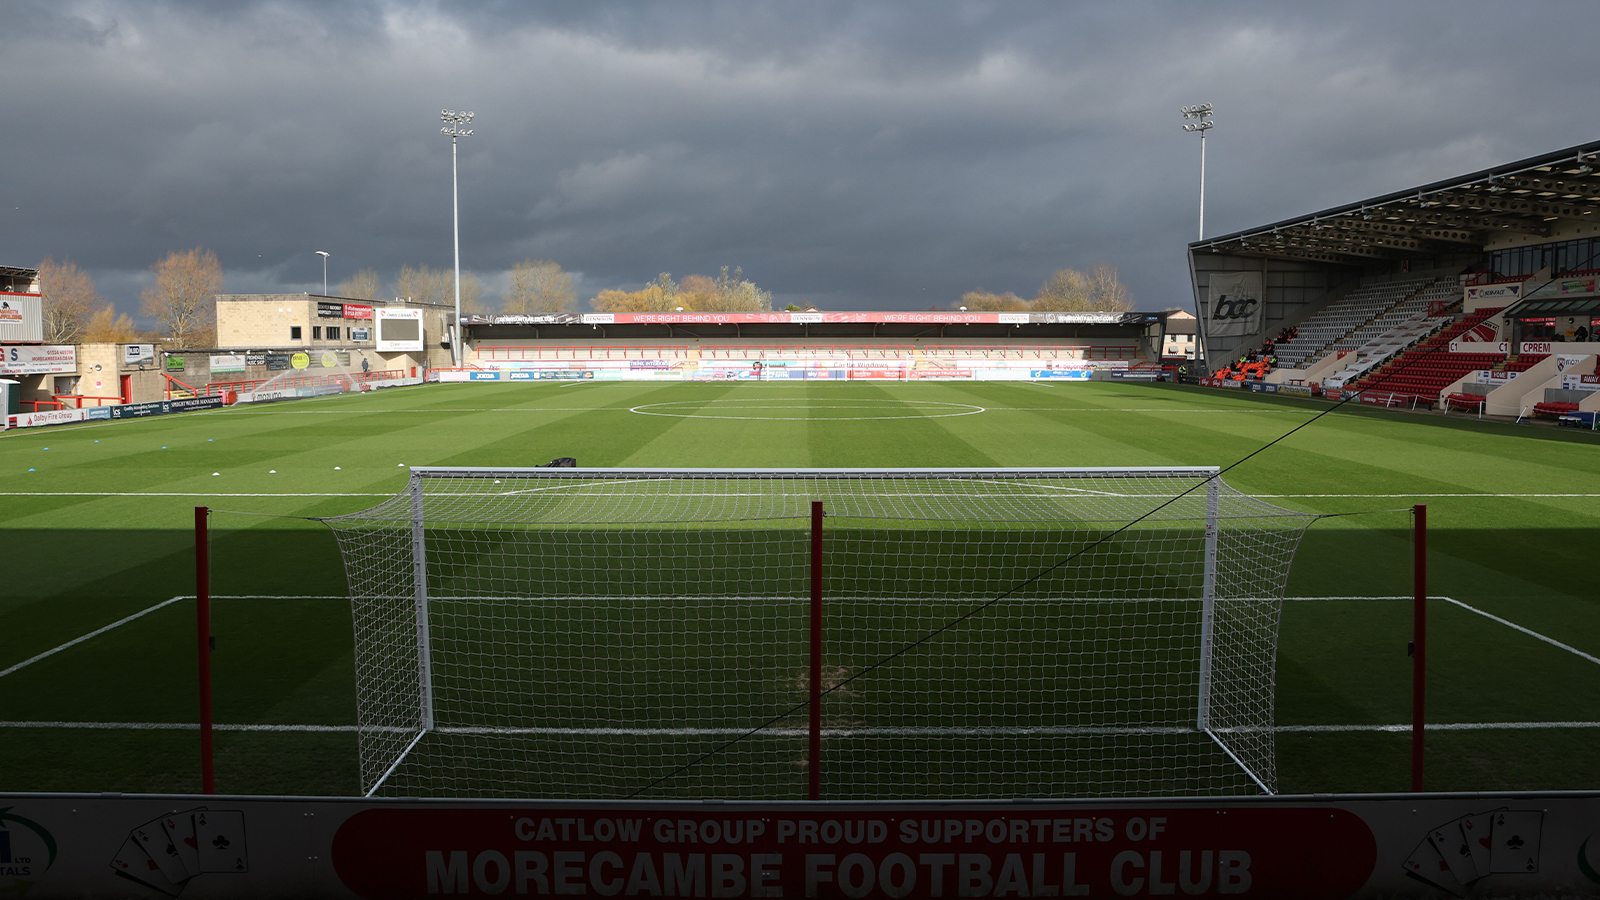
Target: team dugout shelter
[(1500, 264), (784, 346)]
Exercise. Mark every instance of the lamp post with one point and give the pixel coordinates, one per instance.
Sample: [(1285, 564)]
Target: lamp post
[(1201, 122), (324, 255), (453, 126)]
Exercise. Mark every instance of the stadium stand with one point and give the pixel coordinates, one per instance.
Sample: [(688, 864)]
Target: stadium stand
[(1353, 320), (1422, 372)]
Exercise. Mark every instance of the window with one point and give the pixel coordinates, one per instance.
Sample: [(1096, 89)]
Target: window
[(294, 332), (316, 332), (333, 332)]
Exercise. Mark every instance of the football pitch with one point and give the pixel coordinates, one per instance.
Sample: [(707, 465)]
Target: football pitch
[(97, 658)]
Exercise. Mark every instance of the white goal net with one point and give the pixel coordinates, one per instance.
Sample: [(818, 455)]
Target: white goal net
[(984, 633)]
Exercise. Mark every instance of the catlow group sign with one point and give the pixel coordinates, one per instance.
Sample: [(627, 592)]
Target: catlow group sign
[(1302, 847)]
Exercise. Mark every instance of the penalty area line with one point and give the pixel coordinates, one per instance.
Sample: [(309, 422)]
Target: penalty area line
[(95, 633), (145, 612)]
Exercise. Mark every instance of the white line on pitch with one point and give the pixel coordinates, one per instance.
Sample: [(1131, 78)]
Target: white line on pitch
[(1527, 631), (1487, 615), (799, 732), (169, 494), (95, 633), (144, 612)]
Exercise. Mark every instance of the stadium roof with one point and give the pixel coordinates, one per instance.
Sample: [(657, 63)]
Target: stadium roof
[(1453, 216)]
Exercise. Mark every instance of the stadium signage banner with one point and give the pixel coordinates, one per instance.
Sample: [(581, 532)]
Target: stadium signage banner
[(226, 364), (1483, 293), (138, 354), (326, 310), (1326, 847), (21, 317), (1234, 304), (357, 311), (48, 417), (51, 359)]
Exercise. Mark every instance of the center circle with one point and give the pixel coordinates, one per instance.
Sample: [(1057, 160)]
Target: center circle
[(806, 409)]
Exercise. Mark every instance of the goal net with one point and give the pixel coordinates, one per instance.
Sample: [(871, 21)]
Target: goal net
[(610, 633)]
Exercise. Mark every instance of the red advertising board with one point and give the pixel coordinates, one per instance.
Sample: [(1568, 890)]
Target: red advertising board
[(396, 853), (357, 311)]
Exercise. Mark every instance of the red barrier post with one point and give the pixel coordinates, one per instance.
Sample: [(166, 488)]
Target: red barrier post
[(814, 766), (202, 607), (1419, 638)]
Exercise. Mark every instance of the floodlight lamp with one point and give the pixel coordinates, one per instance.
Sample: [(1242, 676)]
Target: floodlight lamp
[(323, 253)]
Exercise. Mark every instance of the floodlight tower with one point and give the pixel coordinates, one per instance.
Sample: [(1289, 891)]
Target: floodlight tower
[(1201, 116), (324, 254), (453, 126)]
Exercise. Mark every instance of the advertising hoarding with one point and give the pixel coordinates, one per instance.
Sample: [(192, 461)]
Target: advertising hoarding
[(138, 354), (21, 317), (47, 359)]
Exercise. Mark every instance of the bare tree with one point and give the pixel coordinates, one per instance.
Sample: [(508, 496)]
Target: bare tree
[(363, 285), (425, 285), (183, 299), (1067, 290), (539, 287), (106, 326), (1107, 291), (734, 294), (70, 300), (983, 301), (1098, 290)]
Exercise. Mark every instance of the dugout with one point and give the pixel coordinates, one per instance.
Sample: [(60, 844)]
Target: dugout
[(1535, 215)]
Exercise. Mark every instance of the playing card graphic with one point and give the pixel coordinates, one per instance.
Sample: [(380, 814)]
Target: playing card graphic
[(220, 834), (133, 862), (167, 852), (153, 838), (1477, 831), (1515, 839), (180, 831), (1453, 847), (1426, 863)]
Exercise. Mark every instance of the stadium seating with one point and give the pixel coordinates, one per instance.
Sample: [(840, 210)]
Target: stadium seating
[(1428, 368), (1554, 409), (1356, 313)]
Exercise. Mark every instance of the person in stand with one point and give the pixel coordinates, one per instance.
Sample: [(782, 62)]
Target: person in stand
[(1582, 334)]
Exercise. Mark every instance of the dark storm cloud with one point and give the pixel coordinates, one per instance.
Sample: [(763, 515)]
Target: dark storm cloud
[(861, 155)]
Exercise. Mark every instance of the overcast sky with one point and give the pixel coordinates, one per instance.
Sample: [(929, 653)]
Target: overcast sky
[(855, 155)]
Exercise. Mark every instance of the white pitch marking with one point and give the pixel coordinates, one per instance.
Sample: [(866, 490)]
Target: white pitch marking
[(95, 633), (126, 619), (796, 732), (167, 494), (1487, 615)]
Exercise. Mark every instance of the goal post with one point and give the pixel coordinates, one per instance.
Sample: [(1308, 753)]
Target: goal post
[(667, 633)]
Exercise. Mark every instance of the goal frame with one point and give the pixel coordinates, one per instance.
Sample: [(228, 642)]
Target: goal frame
[(1209, 476)]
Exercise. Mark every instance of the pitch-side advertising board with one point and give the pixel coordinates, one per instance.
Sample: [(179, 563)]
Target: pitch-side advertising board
[(107, 845)]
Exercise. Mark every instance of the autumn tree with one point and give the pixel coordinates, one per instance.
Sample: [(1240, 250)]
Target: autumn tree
[(539, 286), (1106, 290), (983, 301), (363, 285), (183, 299), (697, 293), (1066, 290), (106, 326), (70, 301)]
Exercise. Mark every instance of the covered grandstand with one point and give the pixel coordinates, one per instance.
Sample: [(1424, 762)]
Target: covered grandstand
[(1477, 292), (766, 346)]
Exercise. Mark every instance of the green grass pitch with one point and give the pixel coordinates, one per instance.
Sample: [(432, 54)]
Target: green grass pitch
[(97, 528)]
